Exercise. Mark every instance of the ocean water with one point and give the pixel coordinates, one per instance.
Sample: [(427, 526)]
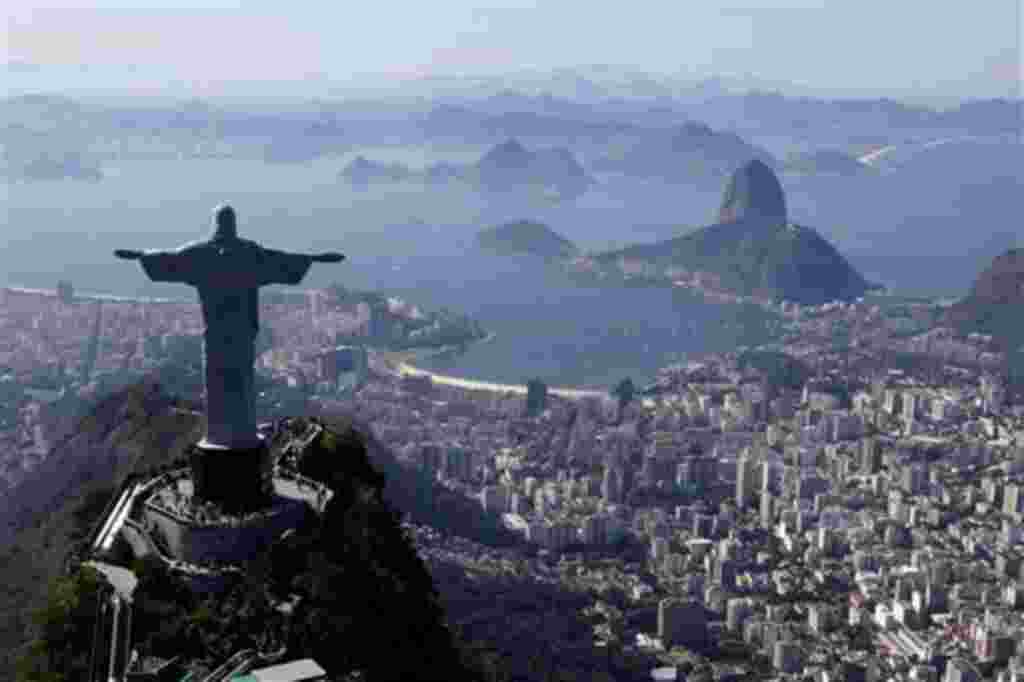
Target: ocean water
[(405, 240), (548, 326)]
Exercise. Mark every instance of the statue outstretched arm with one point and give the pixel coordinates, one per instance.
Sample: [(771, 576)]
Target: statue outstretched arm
[(161, 266), (281, 267)]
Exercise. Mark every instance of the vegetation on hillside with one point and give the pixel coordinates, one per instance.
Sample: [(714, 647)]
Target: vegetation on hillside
[(778, 369), (346, 569), (48, 516), (994, 303), (352, 576), (780, 262)]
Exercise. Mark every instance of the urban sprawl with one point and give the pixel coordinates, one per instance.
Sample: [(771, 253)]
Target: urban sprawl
[(864, 523)]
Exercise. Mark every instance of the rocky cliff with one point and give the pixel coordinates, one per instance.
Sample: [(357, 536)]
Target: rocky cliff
[(754, 193)]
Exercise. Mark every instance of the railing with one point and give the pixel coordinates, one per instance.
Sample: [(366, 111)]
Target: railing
[(323, 492), (112, 504), (111, 521), (229, 667), (98, 640), (299, 443), (111, 646), (177, 564)]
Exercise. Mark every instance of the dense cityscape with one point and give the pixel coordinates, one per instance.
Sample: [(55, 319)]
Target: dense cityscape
[(838, 518)]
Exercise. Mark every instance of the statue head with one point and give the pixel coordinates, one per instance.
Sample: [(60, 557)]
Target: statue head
[(224, 221)]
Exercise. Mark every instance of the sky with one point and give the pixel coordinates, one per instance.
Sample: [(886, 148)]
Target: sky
[(922, 47)]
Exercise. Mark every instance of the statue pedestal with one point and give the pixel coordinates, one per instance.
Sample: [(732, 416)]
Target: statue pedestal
[(236, 479)]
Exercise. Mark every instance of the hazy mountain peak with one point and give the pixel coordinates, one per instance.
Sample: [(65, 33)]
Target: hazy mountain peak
[(753, 191), (509, 152)]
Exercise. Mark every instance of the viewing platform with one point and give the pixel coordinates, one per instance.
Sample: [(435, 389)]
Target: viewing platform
[(198, 532)]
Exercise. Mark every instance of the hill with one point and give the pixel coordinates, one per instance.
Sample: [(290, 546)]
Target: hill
[(526, 237), (754, 250), (510, 166), (995, 301), (131, 431), (363, 171), (142, 430)]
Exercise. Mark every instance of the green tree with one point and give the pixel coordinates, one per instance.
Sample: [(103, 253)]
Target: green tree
[(624, 391), (61, 649)]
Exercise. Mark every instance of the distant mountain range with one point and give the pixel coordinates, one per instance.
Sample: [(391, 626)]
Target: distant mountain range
[(754, 250), (747, 105), (507, 167), (994, 304), (692, 152), (363, 171), (526, 237), (462, 122)]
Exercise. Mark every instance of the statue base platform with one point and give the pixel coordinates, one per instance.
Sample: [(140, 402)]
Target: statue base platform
[(235, 479)]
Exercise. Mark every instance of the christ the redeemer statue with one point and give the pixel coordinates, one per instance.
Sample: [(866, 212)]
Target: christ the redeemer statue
[(228, 272)]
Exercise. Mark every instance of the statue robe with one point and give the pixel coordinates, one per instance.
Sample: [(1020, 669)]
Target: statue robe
[(228, 274)]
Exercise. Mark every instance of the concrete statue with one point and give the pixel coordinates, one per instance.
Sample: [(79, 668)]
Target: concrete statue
[(228, 272)]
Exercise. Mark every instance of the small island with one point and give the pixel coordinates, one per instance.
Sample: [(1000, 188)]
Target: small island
[(526, 237), (361, 172)]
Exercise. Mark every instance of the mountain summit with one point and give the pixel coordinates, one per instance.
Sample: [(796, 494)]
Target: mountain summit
[(505, 156), (510, 166), (753, 191)]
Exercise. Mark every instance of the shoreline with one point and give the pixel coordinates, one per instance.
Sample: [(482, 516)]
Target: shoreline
[(400, 364), (92, 296)]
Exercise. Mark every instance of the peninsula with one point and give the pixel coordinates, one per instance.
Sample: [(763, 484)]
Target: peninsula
[(753, 252), (526, 237)]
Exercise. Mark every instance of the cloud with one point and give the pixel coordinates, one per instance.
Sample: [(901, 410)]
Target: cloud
[(1006, 70), (206, 44)]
